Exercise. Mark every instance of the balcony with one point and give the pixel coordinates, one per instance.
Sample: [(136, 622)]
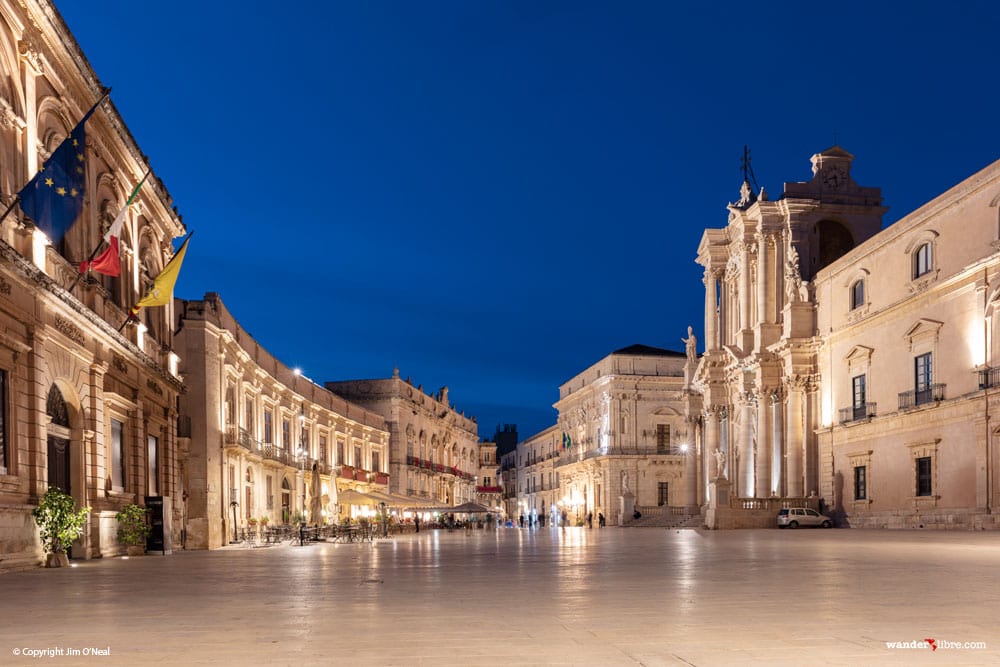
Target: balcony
[(857, 413), (275, 453), (989, 377), (347, 472), (382, 478), (568, 457), (915, 397), (488, 489)]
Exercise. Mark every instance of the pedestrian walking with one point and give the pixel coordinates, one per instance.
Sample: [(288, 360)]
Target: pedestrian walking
[(590, 520), (600, 520)]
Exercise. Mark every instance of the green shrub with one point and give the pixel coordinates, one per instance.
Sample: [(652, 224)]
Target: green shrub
[(59, 521), (132, 527)]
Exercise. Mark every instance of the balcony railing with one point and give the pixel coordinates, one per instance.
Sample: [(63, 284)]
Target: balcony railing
[(857, 413), (572, 456), (915, 397), (488, 489), (989, 377), (275, 453)]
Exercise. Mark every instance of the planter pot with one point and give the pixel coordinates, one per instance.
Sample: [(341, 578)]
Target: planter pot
[(135, 550), (56, 560)]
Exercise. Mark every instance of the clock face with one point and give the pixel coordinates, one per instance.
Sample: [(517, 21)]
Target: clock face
[(834, 177)]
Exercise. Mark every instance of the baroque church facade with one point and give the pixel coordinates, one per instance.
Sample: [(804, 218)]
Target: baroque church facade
[(847, 367), (85, 405)]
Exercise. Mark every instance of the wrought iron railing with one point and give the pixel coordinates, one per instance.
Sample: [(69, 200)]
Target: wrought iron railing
[(572, 456), (915, 397), (857, 412), (989, 377)]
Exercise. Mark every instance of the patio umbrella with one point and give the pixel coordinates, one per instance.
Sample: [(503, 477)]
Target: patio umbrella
[(352, 497), (334, 500), (315, 499)]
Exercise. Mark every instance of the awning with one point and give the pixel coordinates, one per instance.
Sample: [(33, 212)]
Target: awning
[(470, 508), (352, 497)]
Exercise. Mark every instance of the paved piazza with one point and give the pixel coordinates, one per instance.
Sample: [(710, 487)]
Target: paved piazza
[(519, 597)]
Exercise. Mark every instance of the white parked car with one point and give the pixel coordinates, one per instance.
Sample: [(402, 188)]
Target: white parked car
[(793, 517)]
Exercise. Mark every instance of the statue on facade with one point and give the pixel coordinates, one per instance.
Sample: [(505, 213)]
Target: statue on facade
[(795, 290), (692, 346), (720, 463), (625, 488)]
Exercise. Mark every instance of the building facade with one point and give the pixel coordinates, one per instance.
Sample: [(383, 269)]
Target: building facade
[(849, 367), (265, 442), (629, 440), (86, 404), (433, 448)]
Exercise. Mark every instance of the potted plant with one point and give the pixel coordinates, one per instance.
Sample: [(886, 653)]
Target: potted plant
[(59, 523), (133, 528), (264, 521)]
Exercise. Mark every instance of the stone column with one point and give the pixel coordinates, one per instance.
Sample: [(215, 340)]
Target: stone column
[(744, 287), (746, 453), (691, 466), (762, 458), (710, 443), (796, 441), (711, 316), (777, 440), (763, 267)]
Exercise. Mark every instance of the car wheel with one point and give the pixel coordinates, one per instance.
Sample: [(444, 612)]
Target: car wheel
[(827, 524), (793, 524)]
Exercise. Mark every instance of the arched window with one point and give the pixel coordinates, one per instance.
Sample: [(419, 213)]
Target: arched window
[(857, 294), (922, 260)]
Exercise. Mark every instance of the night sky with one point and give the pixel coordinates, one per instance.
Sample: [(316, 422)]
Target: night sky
[(494, 195)]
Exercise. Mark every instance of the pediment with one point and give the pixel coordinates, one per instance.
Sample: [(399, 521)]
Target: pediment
[(923, 328), (858, 353)]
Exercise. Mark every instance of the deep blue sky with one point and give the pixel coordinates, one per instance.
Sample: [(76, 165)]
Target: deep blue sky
[(494, 195)]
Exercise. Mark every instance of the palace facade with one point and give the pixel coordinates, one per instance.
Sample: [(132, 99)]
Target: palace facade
[(85, 405), (265, 444), (849, 367), (434, 451)]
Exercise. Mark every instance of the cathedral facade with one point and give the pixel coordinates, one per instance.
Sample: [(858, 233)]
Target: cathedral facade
[(87, 403), (848, 367)]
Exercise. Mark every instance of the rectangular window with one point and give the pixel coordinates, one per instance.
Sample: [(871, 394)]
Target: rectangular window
[(923, 378), (922, 260), (117, 455), (248, 414), (857, 294), (268, 428), (230, 407), (322, 449), (859, 395), (375, 462), (286, 434), (4, 460), (860, 482), (358, 463), (662, 493), (924, 476), (340, 453), (153, 481), (662, 438)]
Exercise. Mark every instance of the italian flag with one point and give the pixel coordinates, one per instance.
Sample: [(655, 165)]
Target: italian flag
[(108, 262)]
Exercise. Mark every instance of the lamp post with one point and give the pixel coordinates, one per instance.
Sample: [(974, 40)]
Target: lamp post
[(302, 456), (234, 504), (381, 507)]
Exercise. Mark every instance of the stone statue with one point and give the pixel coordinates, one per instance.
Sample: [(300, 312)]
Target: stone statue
[(720, 463), (692, 346), (625, 488)]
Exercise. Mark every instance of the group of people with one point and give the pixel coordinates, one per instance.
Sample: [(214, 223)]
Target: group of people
[(562, 518)]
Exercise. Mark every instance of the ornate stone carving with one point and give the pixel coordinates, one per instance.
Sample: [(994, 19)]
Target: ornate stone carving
[(154, 387), (69, 329), (119, 364), (5, 287), (29, 53)]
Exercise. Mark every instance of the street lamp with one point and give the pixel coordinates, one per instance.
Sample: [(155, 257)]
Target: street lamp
[(381, 507), (234, 504), (302, 456)]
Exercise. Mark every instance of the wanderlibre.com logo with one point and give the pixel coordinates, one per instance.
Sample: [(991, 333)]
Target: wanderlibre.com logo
[(935, 644)]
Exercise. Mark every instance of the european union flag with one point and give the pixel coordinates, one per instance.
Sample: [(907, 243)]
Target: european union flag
[(54, 197)]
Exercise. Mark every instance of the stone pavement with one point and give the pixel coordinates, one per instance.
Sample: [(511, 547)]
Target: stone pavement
[(520, 597)]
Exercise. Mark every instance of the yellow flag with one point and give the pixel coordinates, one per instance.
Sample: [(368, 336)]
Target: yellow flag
[(162, 290)]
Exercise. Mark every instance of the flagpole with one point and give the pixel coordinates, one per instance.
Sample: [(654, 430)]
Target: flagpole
[(10, 208), (90, 259), (132, 311)]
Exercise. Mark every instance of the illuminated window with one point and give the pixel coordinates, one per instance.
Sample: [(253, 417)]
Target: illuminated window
[(117, 455)]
